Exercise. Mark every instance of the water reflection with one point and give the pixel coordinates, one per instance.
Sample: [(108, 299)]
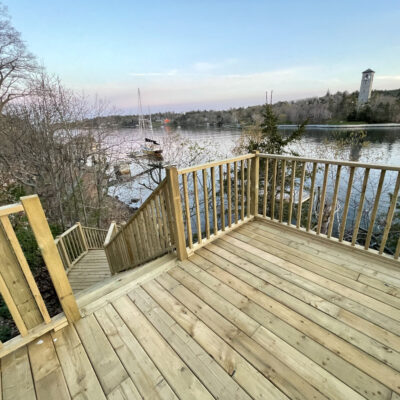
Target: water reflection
[(383, 147)]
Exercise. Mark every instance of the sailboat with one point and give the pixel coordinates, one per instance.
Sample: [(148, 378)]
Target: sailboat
[(151, 147)]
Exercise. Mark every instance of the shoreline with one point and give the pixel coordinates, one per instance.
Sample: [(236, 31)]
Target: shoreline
[(346, 126)]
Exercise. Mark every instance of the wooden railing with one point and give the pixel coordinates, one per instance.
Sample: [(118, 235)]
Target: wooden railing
[(349, 202), (75, 242), (216, 197), (95, 237), (146, 235), (112, 231), (17, 284), (344, 201)]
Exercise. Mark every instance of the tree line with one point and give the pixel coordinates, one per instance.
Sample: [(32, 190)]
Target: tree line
[(338, 108)]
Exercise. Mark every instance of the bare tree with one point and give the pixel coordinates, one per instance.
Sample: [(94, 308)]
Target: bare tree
[(17, 64), (49, 147)]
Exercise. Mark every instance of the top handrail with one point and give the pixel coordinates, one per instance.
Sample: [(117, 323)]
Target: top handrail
[(65, 233), (214, 164), (333, 162), (11, 209)]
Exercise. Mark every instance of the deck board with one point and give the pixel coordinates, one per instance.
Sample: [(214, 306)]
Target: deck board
[(263, 312)]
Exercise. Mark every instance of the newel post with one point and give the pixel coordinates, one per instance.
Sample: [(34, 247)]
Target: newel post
[(83, 237), (40, 227), (254, 178), (176, 209)]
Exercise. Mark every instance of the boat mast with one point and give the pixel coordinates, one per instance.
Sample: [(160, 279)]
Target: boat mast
[(142, 126), (150, 122)]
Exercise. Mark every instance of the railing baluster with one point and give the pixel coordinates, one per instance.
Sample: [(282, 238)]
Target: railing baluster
[(265, 196), (322, 200), (334, 201), (375, 209), (249, 162), (242, 189), (222, 196), (143, 229), (397, 252), (66, 254), (139, 239), (155, 225), (83, 237), (12, 307), (160, 223), (73, 246), (282, 191), (12, 237), (292, 181), (150, 226), (346, 204), (229, 193), (196, 202), (134, 251), (360, 207), (235, 170), (206, 212), (300, 199), (187, 211), (164, 218), (311, 200), (214, 201), (128, 248), (273, 189)]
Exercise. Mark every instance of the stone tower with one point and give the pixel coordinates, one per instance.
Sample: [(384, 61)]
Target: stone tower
[(366, 86)]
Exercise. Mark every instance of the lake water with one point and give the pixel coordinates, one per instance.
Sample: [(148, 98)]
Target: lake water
[(381, 146), (384, 143)]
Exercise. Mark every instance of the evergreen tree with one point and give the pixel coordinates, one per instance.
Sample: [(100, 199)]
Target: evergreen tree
[(271, 140)]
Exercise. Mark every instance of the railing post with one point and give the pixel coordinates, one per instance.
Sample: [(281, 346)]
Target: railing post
[(255, 168), (177, 217), (83, 236), (52, 259)]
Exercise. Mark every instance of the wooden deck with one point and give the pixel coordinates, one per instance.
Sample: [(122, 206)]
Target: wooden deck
[(92, 268), (263, 312)]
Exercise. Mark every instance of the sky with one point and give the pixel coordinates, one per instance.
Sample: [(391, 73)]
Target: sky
[(186, 54)]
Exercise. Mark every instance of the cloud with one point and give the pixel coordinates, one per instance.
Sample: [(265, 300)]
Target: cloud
[(209, 86), (165, 73), (388, 77), (206, 66)]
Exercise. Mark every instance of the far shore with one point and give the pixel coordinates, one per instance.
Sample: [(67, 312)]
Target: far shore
[(344, 126)]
